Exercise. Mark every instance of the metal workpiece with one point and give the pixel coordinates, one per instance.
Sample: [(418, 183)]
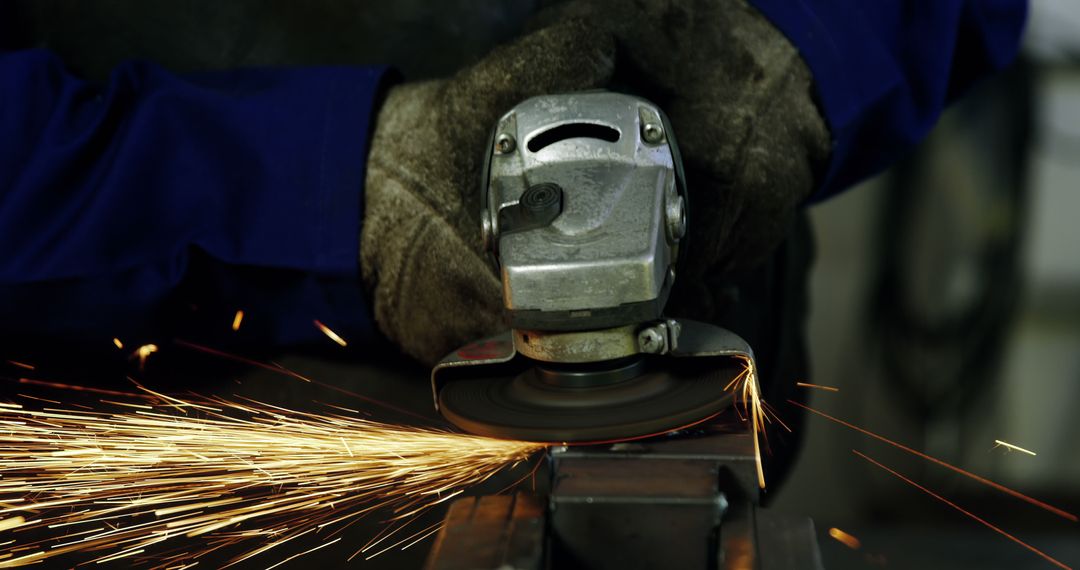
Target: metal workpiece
[(622, 212), (676, 502), (784, 542), (497, 532), (650, 505), (714, 459), (687, 502)]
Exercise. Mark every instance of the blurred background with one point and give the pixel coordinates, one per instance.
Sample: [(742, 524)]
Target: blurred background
[(945, 306), (945, 295)]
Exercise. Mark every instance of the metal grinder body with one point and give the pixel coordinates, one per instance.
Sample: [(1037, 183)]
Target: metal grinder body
[(585, 216)]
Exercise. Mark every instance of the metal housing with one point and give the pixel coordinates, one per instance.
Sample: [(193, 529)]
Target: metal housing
[(605, 256), (585, 209)]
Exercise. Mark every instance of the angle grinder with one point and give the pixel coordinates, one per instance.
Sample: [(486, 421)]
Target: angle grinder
[(585, 214)]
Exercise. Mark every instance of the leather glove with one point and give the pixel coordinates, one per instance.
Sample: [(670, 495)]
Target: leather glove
[(421, 255), (741, 105)]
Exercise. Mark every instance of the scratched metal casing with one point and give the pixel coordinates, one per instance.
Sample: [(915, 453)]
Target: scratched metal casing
[(606, 256)]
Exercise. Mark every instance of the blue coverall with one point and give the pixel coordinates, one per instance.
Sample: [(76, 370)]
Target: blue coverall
[(123, 203)]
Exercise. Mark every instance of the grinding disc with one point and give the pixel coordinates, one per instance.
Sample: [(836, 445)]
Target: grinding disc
[(589, 404)]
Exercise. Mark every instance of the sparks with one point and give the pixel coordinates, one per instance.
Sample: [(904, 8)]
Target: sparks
[(13, 522), (117, 343), (818, 386), (974, 517), (21, 364), (333, 335), (745, 385), (844, 538), (76, 388), (279, 369), (997, 486), (1006, 445), (144, 352), (182, 478), (237, 319)]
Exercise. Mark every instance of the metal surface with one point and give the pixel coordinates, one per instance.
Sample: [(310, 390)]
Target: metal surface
[(577, 346), (504, 532), (687, 502), (615, 239), (652, 504), (598, 344)]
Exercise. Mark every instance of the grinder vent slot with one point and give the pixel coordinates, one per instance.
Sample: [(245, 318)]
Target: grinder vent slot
[(572, 131)]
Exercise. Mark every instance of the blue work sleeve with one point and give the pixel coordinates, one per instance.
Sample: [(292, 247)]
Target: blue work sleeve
[(885, 69), (135, 208)]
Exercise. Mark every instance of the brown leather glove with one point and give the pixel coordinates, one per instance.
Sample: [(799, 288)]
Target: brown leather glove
[(740, 101), (741, 105), (420, 248)]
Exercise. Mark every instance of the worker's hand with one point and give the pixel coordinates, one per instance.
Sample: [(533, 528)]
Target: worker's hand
[(420, 249), (740, 101)]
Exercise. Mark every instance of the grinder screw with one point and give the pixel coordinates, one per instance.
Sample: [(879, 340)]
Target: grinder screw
[(653, 133), (651, 341), (504, 144)]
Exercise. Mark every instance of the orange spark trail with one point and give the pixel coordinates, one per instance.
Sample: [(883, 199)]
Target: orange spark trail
[(237, 320), (333, 335), (754, 408), (282, 370), (61, 386), (1044, 555), (818, 386), (21, 365), (983, 480), (117, 343), (272, 367), (844, 538)]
